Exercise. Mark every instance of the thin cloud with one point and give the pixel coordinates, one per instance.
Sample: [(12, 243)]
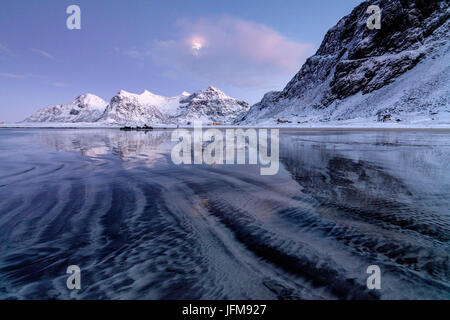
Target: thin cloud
[(133, 53), (10, 75), (59, 84), (230, 51), (5, 51), (15, 75), (43, 53)]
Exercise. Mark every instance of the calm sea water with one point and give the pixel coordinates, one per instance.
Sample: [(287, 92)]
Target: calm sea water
[(140, 227)]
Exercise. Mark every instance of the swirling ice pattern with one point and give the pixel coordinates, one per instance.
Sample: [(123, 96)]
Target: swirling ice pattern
[(141, 228)]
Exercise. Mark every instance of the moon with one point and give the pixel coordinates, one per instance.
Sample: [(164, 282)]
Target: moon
[(197, 43)]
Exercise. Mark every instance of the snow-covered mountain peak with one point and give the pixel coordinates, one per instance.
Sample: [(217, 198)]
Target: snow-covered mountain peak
[(209, 105), (147, 93), (213, 89), (210, 93), (145, 96), (85, 108), (90, 100), (123, 93)]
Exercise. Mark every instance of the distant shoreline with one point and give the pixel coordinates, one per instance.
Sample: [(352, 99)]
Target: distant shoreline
[(340, 128)]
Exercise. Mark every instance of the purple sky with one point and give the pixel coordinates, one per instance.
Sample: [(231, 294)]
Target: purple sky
[(245, 48)]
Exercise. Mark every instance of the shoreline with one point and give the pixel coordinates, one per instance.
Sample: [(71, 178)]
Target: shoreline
[(340, 128)]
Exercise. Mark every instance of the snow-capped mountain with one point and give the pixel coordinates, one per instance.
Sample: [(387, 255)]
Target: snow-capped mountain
[(390, 74), (85, 108), (210, 105), (146, 107)]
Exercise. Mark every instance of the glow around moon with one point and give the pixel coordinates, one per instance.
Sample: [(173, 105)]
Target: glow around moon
[(197, 43)]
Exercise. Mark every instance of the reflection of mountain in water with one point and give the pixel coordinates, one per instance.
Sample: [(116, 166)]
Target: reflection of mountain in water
[(140, 227), (384, 199), (97, 144)]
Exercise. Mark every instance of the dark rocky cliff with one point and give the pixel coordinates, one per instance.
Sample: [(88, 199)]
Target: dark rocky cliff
[(353, 59)]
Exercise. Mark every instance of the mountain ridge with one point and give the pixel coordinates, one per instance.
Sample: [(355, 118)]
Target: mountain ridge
[(85, 108), (209, 105)]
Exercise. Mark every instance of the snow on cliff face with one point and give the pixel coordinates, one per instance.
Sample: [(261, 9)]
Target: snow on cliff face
[(399, 70), (210, 105), (85, 108)]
